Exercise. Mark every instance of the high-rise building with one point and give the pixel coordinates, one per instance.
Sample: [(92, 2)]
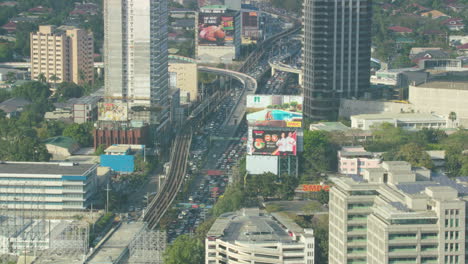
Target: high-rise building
[(336, 54), (252, 236), (136, 58), (397, 214), (63, 54)]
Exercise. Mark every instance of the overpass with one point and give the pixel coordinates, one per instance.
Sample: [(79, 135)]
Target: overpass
[(277, 65)]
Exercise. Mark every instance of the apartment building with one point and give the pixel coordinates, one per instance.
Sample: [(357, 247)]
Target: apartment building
[(355, 159), (252, 236), (398, 214), (63, 54), (47, 185)]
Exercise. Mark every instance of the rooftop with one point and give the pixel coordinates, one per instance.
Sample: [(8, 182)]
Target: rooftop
[(445, 85), (249, 225), (400, 116), (13, 104), (51, 168), (329, 126), (60, 141)]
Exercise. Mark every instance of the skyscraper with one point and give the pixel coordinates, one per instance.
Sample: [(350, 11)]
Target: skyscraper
[(136, 58), (336, 54)]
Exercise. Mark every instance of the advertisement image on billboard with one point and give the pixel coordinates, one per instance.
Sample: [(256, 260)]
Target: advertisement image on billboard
[(273, 142), (215, 29), (274, 111), (112, 112)]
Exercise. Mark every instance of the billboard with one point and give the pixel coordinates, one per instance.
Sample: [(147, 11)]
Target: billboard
[(112, 112), (273, 142), (274, 110), (215, 29), (261, 164)]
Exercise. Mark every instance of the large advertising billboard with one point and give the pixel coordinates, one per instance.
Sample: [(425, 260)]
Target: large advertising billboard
[(274, 110), (112, 112), (215, 29), (273, 142)]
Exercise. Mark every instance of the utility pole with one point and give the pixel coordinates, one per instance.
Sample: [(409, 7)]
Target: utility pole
[(107, 197)]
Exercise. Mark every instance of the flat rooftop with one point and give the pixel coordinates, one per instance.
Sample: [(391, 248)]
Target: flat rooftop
[(400, 116), (251, 227), (51, 168), (445, 85), (117, 243), (329, 126)]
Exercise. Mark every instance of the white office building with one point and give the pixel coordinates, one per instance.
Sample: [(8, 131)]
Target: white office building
[(136, 58), (252, 236), (408, 121), (47, 185), (398, 214)]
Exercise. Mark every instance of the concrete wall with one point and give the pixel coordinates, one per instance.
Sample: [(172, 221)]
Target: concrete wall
[(441, 101), (186, 79)]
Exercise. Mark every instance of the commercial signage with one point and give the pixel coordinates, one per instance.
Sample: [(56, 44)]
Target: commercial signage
[(215, 29), (314, 188), (273, 142), (274, 110), (112, 112)]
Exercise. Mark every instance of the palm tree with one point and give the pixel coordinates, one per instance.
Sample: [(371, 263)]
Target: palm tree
[(452, 116), (41, 78), (54, 78)]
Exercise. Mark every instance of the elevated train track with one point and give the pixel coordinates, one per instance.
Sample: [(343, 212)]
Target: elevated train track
[(181, 147)]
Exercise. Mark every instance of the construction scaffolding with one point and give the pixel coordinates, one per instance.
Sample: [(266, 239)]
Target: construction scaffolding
[(147, 247), (26, 234), (68, 241)]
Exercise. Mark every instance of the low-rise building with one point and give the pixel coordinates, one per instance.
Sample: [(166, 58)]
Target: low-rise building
[(355, 159), (121, 158), (434, 14), (13, 106), (454, 24), (61, 147), (397, 214), (252, 236), (408, 121), (352, 135), (47, 185)]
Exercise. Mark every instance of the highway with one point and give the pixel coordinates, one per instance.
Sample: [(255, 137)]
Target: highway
[(181, 147)]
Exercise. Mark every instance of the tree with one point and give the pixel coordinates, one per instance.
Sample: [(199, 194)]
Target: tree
[(323, 197), (54, 78), (4, 95), (6, 52), (33, 91), (81, 133), (285, 190), (402, 61), (412, 153), (100, 150), (67, 90), (319, 152), (452, 116), (185, 249), (233, 199), (387, 137), (41, 78)]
